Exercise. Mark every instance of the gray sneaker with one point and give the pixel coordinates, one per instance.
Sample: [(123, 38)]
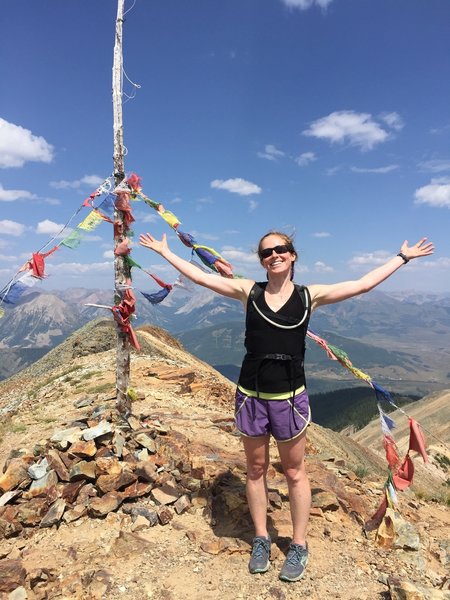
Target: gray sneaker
[(259, 561), (294, 566)]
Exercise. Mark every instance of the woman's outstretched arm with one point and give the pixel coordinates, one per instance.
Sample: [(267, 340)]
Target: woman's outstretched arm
[(238, 289), (329, 294)]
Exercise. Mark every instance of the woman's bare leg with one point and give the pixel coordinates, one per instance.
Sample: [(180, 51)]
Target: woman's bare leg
[(292, 455), (257, 455)]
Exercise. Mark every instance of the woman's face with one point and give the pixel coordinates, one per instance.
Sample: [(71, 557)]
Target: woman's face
[(280, 259)]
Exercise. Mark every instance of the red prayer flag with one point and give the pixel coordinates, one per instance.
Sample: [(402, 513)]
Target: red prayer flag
[(404, 476), (391, 452), (417, 439)]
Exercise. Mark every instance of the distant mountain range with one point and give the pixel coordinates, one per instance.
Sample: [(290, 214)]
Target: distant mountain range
[(401, 339)]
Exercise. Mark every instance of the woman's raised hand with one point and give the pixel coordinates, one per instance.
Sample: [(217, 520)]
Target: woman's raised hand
[(147, 240), (422, 248)]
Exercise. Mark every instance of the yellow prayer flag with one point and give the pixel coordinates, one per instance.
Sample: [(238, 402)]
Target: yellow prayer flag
[(170, 218), (91, 221)]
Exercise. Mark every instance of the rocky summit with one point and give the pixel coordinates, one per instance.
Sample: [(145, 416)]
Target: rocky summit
[(93, 505)]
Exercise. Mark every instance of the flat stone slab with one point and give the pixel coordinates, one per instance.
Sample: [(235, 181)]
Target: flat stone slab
[(94, 432), (38, 470)]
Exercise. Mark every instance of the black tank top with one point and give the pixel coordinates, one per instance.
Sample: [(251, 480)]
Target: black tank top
[(262, 370)]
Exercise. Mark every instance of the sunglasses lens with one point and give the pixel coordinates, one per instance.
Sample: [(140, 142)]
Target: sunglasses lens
[(282, 249)]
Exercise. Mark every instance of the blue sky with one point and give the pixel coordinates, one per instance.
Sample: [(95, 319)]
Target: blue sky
[(326, 118)]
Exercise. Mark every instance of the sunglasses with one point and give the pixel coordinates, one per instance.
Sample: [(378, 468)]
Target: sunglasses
[(282, 249)]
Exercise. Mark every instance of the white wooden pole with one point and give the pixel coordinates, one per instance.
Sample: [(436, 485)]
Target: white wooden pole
[(121, 269)]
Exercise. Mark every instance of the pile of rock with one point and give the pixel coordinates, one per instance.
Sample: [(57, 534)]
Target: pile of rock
[(92, 467)]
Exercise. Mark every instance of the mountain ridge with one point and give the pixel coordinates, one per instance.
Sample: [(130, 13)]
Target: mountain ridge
[(190, 405)]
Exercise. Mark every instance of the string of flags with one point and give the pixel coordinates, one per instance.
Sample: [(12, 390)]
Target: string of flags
[(401, 471)]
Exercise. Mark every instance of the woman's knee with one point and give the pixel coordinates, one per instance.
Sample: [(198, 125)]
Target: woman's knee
[(296, 475), (257, 469)]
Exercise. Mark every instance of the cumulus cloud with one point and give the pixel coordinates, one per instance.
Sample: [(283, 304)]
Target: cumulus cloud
[(270, 152), (11, 228), (321, 234), (393, 120), (435, 165), (382, 170), (49, 227), (7, 258), (80, 268), (108, 254), (11, 195), (436, 193), (305, 159), (305, 4), (92, 181), (149, 218), (378, 257), (321, 267), (236, 186), (18, 146), (234, 254), (357, 129)]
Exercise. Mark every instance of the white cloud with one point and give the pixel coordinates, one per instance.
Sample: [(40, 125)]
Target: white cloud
[(198, 235), (376, 258), (18, 146), (86, 238), (305, 4), (234, 254), (382, 170), (321, 267), (321, 234), (393, 120), (252, 205), (333, 170), (92, 181), (108, 254), (11, 195), (436, 193), (304, 159), (7, 258), (49, 227), (80, 268), (270, 152), (358, 129), (236, 186), (443, 262), (440, 130), (11, 228), (435, 165)]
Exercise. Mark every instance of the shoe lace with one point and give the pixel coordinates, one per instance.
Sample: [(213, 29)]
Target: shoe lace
[(295, 555), (259, 549)]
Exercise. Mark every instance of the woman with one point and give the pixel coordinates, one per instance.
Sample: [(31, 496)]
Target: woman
[(271, 395)]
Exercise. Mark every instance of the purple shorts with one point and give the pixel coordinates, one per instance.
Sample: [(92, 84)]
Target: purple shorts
[(284, 419)]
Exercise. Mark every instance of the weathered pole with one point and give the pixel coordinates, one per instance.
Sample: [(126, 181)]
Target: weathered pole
[(121, 268)]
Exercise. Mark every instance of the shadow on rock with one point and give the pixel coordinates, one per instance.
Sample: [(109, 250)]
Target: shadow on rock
[(229, 509)]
